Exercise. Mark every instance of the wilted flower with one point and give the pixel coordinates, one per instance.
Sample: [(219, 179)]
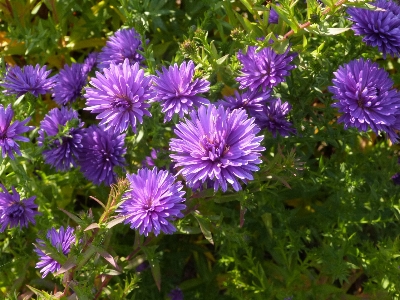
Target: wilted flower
[(252, 101), (124, 44), (69, 84), (119, 96), (217, 144), (366, 96), (10, 133), (27, 80), (274, 118), (155, 199), (14, 211), (265, 68), (61, 134), (101, 151), (379, 28), (177, 91), (62, 241), (89, 63)]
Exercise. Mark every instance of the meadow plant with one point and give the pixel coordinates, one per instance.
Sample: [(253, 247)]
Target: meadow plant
[(227, 149)]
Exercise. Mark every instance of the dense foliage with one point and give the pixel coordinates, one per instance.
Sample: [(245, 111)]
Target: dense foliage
[(212, 149)]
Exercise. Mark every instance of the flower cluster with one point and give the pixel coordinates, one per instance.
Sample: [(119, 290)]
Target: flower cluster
[(217, 144), (14, 211), (10, 133), (366, 97), (153, 201), (379, 28), (62, 240)]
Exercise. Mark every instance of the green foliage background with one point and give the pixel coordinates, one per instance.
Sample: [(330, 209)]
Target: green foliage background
[(321, 218)]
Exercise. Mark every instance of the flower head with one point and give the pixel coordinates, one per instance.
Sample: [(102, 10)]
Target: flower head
[(61, 134), (379, 28), (154, 200), (27, 80), (124, 44), (273, 17), (101, 151), (177, 91), (274, 118), (11, 133), (119, 96), (252, 101), (217, 144), (366, 97), (14, 211), (62, 241), (265, 68), (89, 62), (70, 82)]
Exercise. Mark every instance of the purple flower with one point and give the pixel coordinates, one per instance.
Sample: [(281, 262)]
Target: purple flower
[(366, 97), (124, 44), (175, 294), (252, 101), (177, 91), (14, 211), (273, 17), (265, 68), (379, 28), (70, 82), (101, 151), (89, 63), (396, 179), (119, 96), (27, 80), (274, 118), (217, 144), (149, 160), (62, 241), (10, 133), (61, 134), (153, 201)]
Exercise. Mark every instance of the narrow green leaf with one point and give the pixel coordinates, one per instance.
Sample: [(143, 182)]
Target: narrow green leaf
[(73, 217), (205, 225)]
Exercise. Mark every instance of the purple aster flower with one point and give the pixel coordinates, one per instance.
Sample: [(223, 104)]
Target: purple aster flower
[(124, 44), (175, 294), (217, 144), (149, 160), (252, 101), (274, 118), (396, 179), (14, 211), (62, 241), (101, 151), (379, 28), (366, 97), (11, 133), (154, 200), (119, 96), (273, 17), (27, 80), (89, 62), (265, 68), (61, 134), (70, 82), (177, 91)]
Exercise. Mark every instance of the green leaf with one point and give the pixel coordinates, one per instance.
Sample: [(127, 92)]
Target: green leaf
[(205, 225), (78, 220), (150, 253)]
